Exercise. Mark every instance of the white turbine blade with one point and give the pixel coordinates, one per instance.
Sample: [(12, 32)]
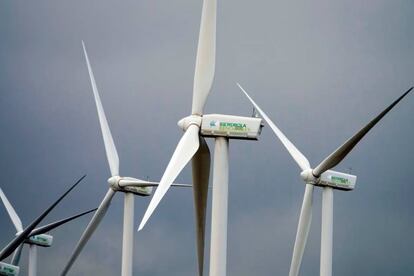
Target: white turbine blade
[(206, 57), (340, 153), (201, 175), (305, 220), (110, 148), (17, 255), (154, 184), (300, 159), (93, 224), (185, 150), (12, 213)]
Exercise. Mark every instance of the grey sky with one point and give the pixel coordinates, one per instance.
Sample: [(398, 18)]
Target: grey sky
[(320, 69)]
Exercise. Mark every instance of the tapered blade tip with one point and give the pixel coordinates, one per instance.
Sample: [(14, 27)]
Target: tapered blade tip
[(141, 226), (144, 220), (242, 89)]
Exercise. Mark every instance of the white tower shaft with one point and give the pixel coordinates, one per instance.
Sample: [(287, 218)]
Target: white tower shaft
[(327, 232), (218, 248), (32, 260), (128, 235)]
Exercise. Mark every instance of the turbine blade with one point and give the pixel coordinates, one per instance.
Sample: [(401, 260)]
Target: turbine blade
[(305, 220), (12, 213), (201, 174), (53, 225), (156, 184), (300, 159), (5, 252), (185, 150), (181, 185), (340, 153), (93, 224), (17, 254), (206, 57), (110, 149)]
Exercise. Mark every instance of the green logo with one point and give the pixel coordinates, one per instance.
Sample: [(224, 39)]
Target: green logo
[(233, 126), (8, 270), (339, 180)]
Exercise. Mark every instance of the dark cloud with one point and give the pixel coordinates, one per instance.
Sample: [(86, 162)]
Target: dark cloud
[(320, 69)]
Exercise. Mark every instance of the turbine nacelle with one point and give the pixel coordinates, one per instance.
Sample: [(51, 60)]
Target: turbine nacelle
[(43, 240), (9, 269), (229, 126), (333, 179), (130, 185), (232, 127), (337, 180)]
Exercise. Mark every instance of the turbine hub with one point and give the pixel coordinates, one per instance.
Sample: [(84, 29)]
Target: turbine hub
[(184, 123), (114, 182), (308, 177)]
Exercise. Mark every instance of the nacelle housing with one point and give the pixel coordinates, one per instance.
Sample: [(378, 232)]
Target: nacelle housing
[(8, 269), (234, 127), (43, 240), (337, 180), (141, 191)]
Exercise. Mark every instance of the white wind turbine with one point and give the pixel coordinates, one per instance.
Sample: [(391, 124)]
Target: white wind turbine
[(22, 236), (37, 237), (329, 180), (127, 185), (192, 146)]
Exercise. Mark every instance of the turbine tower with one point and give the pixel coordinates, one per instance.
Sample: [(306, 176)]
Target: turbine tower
[(127, 185), (328, 180), (193, 146), (30, 235)]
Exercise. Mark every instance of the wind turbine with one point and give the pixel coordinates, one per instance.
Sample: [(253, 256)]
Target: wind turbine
[(30, 230), (192, 146), (323, 177), (127, 185), (37, 237)]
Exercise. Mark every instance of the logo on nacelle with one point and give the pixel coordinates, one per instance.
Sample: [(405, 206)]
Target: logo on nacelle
[(214, 123), (338, 180)]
